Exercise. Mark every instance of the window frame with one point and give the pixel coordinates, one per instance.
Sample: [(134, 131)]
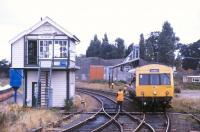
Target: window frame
[(61, 49), (45, 46)]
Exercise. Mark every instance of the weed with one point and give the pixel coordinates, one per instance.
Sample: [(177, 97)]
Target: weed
[(186, 105), (16, 118), (192, 86)]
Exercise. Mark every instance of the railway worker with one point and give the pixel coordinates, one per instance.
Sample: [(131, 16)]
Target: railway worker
[(120, 99), (112, 85), (134, 79), (125, 89)]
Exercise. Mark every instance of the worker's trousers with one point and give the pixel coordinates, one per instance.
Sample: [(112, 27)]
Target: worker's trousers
[(119, 106)]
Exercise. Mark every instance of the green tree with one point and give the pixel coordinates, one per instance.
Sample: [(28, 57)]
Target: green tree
[(94, 48), (151, 46), (142, 46), (166, 44), (129, 49), (106, 48), (191, 55), (120, 47)]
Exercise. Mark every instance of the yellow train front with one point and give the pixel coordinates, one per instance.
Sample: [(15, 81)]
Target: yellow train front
[(154, 84)]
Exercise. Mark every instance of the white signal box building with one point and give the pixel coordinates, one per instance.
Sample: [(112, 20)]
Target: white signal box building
[(46, 54)]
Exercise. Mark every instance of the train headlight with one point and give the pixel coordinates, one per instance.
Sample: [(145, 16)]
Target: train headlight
[(154, 92), (142, 93), (167, 92)]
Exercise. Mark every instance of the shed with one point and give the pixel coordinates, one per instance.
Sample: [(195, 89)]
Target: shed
[(191, 79)]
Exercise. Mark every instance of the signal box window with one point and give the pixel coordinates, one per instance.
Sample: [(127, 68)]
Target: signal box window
[(165, 79), (144, 79), (154, 79), (60, 49)]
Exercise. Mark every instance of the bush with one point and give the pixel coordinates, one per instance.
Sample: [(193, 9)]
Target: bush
[(192, 86), (122, 81), (177, 90), (186, 105), (68, 105), (98, 81)]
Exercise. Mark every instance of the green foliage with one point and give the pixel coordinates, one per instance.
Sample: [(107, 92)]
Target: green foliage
[(166, 44), (98, 81), (122, 81), (4, 68), (94, 48), (192, 86), (191, 55), (130, 48), (68, 105), (105, 49), (151, 46), (159, 46), (120, 48), (142, 46), (177, 90)]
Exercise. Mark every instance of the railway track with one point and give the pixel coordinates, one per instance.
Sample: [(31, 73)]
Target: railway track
[(97, 121), (127, 121), (106, 119), (141, 124)]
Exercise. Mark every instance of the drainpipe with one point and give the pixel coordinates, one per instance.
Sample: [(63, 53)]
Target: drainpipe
[(68, 64)]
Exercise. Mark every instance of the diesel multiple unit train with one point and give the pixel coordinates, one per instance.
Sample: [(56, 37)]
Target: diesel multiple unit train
[(153, 83)]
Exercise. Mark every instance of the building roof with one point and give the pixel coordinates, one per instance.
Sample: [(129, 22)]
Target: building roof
[(37, 25)]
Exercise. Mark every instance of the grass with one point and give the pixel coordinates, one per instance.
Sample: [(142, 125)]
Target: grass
[(186, 105), (192, 86), (99, 85), (16, 118)]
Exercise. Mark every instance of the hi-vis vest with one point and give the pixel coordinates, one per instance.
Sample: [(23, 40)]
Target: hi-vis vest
[(120, 96)]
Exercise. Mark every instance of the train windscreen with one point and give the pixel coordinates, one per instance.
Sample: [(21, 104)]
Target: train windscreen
[(154, 79), (144, 79), (165, 79)]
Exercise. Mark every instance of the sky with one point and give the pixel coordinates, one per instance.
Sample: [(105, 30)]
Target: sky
[(126, 19)]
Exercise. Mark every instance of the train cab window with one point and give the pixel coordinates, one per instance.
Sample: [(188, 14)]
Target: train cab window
[(165, 79), (154, 79), (144, 79)]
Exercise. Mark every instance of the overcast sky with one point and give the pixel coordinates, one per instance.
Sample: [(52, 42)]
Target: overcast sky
[(84, 18)]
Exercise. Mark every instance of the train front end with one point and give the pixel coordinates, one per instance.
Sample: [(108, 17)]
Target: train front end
[(154, 84)]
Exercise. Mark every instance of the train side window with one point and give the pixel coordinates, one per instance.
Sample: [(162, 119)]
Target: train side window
[(154, 79), (165, 79), (144, 79)]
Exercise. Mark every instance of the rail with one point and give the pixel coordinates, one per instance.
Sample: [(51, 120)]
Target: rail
[(87, 119), (141, 122)]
